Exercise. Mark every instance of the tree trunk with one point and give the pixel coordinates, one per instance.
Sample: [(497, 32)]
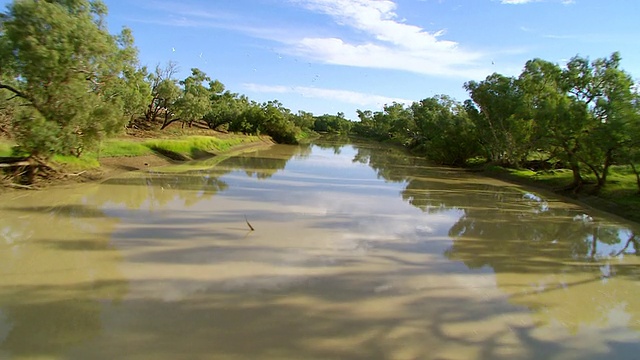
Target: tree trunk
[(575, 168), (608, 161), (635, 171), (598, 175), (168, 122), (577, 178)]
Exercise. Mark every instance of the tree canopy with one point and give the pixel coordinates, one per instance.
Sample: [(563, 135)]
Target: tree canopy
[(583, 116), (61, 62)]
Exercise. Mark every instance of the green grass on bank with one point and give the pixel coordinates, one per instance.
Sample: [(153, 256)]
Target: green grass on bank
[(74, 163), (193, 147), (6, 148), (123, 148), (182, 148)]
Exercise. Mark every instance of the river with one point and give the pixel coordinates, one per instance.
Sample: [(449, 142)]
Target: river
[(359, 252)]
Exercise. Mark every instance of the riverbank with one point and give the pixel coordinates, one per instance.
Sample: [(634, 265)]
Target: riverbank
[(173, 151), (619, 197), (141, 150)]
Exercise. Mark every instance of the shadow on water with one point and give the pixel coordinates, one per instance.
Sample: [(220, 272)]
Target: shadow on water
[(472, 270), (313, 323), (313, 319), (72, 210)]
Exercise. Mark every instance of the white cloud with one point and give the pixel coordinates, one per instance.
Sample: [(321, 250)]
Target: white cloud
[(385, 41), (390, 44), (345, 96)]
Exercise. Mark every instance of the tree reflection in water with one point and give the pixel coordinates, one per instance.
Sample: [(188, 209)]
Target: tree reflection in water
[(340, 266), (542, 252)]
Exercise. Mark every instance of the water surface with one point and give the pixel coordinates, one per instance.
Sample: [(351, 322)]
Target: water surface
[(359, 252)]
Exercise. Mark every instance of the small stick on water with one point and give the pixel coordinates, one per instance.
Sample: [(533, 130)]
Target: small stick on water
[(250, 227)]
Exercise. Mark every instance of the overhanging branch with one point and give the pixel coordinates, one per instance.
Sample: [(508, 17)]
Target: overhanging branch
[(15, 91)]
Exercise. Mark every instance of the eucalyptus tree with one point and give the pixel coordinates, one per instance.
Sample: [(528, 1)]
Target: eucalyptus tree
[(443, 130), (505, 132), (393, 122), (607, 94), (334, 124), (187, 100), (225, 108), (279, 123), (194, 101), (632, 156), (164, 90), (304, 120), (561, 122), (59, 60)]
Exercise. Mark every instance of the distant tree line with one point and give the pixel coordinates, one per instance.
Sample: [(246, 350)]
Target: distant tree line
[(583, 116), (66, 83)]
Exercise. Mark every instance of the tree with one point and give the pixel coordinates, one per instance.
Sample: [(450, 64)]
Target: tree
[(391, 123), (607, 96), (164, 90), (194, 102), (561, 122), (304, 120), (226, 108), (334, 124), (60, 60), (504, 130), (131, 88), (278, 123), (443, 131)]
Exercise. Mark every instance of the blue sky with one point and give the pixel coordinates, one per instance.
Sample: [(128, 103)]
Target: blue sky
[(327, 56)]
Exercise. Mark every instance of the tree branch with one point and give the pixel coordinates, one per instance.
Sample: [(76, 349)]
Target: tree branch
[(17, 92)]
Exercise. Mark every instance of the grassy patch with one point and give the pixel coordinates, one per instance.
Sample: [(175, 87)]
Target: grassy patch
[(123, 148), (184, 148), (6, 148), (73, 163), (196, 146)]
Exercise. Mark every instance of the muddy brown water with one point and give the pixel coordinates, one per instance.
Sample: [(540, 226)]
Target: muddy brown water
[(359, 252)]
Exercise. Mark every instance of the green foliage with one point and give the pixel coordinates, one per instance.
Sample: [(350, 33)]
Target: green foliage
[(278, 123), (270, 118), (118, 148), (164, 92), (373, 125), (443, 131), (225, 108), (134, 91), (586, 114), (502, 125), (332, 124), (304, 120), (36, 135), (194, 102), (60, 60), (437, 127), (6, 148)]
